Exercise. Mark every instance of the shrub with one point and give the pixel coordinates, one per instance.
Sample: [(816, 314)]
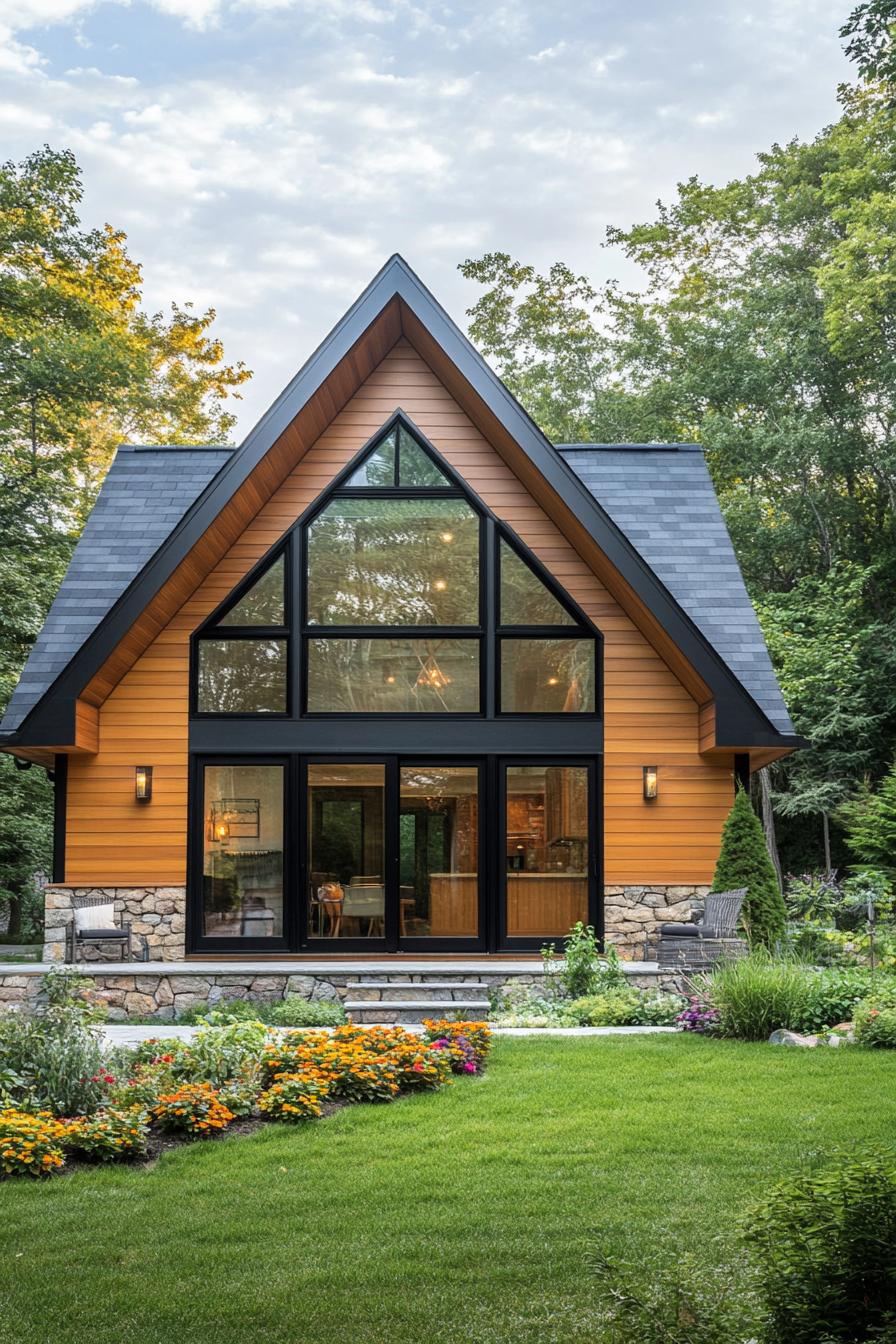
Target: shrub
[(30, 1145), (824, 1245), (744, 862), (681, 1303), (109, 1136), (830, 997), (876, 1026), (218, 1054), (343, 1063), (295, 1012), (293, 1097), (57, 1060), (149, 1080), (194, 1109), (756, 995), (582, 971), (224, 1012)]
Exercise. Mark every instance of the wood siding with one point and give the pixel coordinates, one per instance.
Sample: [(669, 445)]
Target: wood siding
[(650, 718)]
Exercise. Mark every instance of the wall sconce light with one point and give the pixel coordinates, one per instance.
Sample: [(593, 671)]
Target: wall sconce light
[(143, 783), (651, 786)]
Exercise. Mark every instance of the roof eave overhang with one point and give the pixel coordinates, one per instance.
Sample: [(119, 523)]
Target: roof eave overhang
[(397, 290)]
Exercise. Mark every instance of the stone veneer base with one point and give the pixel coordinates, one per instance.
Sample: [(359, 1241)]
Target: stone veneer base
[(632, 915)]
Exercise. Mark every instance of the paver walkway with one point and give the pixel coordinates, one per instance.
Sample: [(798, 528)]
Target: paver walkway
[(126, 1033)]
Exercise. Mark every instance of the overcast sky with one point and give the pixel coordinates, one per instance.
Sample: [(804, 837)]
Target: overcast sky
[(266, 156)]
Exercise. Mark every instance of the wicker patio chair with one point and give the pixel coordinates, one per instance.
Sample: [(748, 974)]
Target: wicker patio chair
[(697, 945), (105, 936)]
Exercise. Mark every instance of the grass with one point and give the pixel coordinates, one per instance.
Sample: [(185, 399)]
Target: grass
[(462, 1216)]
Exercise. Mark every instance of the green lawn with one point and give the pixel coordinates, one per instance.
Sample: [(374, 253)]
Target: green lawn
[(463, 1216)]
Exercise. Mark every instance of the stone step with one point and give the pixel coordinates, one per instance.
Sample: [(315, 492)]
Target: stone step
[(422, 986), (431, 1007)]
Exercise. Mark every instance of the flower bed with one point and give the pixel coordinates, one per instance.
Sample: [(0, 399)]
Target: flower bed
[(238, 1074)]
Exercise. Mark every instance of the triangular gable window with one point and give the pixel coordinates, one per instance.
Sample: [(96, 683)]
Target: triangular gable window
[(264, 603), (525, 599), (398, 460)]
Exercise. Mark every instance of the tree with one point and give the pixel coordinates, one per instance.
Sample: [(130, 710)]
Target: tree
[(744, 862), (82, 367), (870, 821), (871, 29), (26, 843)]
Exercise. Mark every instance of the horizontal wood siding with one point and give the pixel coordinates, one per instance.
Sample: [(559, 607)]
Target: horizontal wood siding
[(650, 718)]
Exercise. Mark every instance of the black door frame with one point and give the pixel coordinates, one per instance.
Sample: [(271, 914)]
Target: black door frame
[(492, 853)]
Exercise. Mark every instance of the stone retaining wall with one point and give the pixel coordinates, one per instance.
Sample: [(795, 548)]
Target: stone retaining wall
[(157, 914), (146, 994)]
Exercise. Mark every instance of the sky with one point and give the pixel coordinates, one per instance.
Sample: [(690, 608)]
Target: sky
[(265, 157)]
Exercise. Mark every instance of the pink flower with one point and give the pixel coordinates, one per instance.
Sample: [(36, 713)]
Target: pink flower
[(469, 1067), (418, 1067)]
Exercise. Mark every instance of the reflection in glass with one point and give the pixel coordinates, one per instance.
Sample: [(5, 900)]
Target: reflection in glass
[(394, 562), (415, 467), (548, 849), (242, 676), (393, 676), (439, 851), (379, 467), (242, 870), (524, 598), (264, 603), (346, 862), (547, 676)]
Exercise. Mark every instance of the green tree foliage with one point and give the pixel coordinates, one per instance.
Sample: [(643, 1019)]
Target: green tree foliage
[(870, 821), (82, 367), (744, 862), (765, 329), (871, 30)]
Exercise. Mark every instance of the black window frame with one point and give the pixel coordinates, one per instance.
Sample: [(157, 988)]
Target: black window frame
[(488, 631), (211, 630)]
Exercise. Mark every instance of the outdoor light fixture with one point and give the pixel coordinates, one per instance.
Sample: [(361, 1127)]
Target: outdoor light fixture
[(651, 787), (143, 783)]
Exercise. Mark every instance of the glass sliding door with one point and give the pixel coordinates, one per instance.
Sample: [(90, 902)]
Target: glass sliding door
[(346, 852), (548, 839), (242, 852), (438, 851)]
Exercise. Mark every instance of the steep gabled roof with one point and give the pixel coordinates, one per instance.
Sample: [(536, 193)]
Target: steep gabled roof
[(395, 303), (663, 499), (144, 496)]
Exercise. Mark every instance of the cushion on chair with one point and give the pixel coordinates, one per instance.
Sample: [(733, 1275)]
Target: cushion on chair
[(679, 931), (94, 917), (100, 933)]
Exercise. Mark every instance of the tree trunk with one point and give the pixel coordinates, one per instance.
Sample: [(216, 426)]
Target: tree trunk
[(14, 927), (768, 824)]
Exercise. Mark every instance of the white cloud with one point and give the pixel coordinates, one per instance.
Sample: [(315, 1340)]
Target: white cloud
[(266, 156)]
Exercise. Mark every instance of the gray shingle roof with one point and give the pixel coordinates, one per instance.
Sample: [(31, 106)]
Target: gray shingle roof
[(144, 496), (663, 499)]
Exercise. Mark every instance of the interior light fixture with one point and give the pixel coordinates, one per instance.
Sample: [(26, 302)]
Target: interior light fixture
[(447, 537), (440, 585)]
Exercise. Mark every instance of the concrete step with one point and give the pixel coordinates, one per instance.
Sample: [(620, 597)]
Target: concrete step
[(423, 986)]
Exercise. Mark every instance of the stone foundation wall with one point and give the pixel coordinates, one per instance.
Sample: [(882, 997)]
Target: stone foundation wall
[(157, 915), (633, 915), (164, 997)]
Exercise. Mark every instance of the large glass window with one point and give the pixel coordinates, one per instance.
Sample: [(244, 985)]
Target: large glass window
[(393, 676), (548, 849), (393, 613), (547, 676), (346, 851), (242, 676), (394, 562), (242, 868)]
